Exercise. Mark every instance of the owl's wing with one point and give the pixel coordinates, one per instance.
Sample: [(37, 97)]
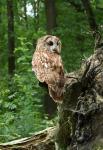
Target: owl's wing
[(48, 68), (56, 78), (39, 65), (57, 68)]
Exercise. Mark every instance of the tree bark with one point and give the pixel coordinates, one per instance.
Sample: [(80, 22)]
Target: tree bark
[(11, 37), (50, 15), (80, 125)]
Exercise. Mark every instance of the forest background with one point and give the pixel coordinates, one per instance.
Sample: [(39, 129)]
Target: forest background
[(25, 107)]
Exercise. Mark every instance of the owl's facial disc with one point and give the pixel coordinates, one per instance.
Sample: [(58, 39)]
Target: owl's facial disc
[(53, 46)]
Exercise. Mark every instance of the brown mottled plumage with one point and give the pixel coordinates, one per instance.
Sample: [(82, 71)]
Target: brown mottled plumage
[(48, 67)]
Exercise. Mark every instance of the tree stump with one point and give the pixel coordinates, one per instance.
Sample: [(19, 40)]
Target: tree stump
[(81, 113)]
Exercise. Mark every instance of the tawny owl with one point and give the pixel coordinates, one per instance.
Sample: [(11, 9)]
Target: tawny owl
[(48, 67)]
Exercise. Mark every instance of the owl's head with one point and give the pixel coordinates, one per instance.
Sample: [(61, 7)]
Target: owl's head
[(50, 43)]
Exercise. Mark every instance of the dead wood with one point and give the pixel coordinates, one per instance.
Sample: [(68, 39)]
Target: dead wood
[(81, 113), (42, 140)]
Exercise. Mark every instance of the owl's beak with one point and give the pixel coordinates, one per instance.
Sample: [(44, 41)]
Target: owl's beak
[(56, 50)]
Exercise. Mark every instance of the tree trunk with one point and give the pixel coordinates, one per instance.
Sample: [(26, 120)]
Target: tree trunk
[(80, 115), (0, 12), (50, 15), (11, 38), (36, 14), (78, 6), (35, 5), (49, 104), (25, 14), (90, 15)]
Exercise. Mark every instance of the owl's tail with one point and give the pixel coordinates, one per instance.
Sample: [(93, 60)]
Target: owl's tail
[(56, 92)]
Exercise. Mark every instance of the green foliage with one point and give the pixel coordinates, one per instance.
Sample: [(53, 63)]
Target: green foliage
[(98, 146), (21, 99), (74, 33)]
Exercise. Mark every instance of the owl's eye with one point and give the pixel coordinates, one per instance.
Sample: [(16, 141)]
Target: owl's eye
[(50, 43), (58, 42)]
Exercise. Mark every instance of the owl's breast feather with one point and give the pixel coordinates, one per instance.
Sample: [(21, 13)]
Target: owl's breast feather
[(47, 66)]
